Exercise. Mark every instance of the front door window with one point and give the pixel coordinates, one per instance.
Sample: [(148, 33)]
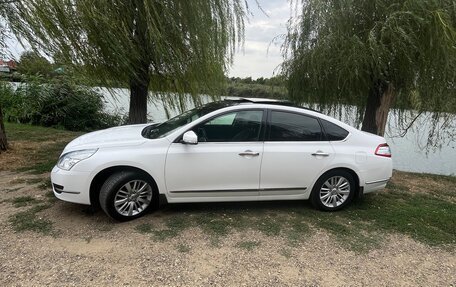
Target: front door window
[(239, 126)]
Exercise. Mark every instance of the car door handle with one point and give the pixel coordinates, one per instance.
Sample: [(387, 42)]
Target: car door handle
[(320, 153), (249, 153)]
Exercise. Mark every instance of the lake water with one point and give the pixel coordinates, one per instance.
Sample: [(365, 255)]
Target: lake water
[(409, 151)]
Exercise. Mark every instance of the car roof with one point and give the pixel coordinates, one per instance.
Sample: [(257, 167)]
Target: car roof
[(254, 100), (236, 101)]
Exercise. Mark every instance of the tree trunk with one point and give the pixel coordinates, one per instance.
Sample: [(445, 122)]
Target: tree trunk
[(139, 89), (3, 140), (139, 80), (378, 105)]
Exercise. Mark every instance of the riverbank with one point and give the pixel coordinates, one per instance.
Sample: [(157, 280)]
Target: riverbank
[(403, 235)]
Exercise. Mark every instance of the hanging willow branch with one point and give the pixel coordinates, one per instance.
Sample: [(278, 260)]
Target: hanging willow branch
[(187, 45), (338, 51)]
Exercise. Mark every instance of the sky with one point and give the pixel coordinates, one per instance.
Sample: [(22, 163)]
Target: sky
[(259, 56)]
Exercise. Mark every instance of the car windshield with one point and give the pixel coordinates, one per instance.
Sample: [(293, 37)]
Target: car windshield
[(163, 129)]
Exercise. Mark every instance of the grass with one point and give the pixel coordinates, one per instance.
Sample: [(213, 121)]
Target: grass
[(270, 226), (436, 177), (424, 218), (22, 201), (426, 215), (29, 221), (21, 132), (285, 252), (50, 197), (183, 248), (248, 245), (12, 189), (38, 148), (45, 184), (213, 224), (173, 227), (144, 228), (26, 181), (360, 227), (43, 161), (34, 149)]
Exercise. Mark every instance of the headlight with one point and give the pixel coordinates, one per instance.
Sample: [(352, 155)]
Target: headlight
[(68, 160)]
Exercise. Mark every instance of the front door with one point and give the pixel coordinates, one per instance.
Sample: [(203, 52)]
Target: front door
[(224, 164)]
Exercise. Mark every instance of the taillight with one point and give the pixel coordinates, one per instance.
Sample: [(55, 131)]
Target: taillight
[(383, 150)]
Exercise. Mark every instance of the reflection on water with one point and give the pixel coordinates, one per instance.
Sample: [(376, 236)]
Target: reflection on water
[(409, 152)]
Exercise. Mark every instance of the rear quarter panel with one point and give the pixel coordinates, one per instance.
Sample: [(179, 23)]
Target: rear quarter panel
[(358, 150)]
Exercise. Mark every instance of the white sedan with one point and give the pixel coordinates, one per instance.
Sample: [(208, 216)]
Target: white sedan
[(232, 150)]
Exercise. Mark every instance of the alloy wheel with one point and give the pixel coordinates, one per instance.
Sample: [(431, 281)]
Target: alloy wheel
[(335, 191), (133, 198)]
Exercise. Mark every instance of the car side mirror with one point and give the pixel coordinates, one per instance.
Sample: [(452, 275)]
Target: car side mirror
[(190, 137)]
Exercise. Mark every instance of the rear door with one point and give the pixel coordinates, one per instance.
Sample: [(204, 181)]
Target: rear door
[(295, 153)]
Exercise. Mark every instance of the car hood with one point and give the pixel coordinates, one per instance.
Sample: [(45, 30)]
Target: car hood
[(129, 135)]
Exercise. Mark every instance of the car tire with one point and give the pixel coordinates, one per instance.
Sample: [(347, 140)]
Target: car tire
[(127, 195), (333, 191)]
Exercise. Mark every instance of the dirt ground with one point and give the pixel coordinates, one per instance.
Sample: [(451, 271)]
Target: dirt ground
[(90, 249)]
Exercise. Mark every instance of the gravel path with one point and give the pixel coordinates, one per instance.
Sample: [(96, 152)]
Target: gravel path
[(92, 250)]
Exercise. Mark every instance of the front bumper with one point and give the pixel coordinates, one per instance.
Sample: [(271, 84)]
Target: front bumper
[(71, 186)]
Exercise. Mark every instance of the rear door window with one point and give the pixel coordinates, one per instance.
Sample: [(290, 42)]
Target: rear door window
[(286, 126)]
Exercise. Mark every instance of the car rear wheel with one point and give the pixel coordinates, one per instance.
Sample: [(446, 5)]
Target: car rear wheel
[(127, 195), (333, 190)]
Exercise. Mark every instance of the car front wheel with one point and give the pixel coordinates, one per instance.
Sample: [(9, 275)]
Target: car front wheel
[(127, 195), (333, 191)]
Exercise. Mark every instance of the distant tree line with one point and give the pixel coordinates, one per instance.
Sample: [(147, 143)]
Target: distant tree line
[(273, 81), (274, 87)]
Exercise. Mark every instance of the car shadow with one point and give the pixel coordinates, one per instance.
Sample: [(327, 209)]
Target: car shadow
[(244, 208), (214, 208), (235, 207)]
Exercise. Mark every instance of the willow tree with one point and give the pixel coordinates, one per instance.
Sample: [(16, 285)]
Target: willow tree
[(374, 54), (175, 45), (3, 36)]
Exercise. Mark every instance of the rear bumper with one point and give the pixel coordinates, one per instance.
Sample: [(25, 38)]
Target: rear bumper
[(71, 186), (377, 174), (371, 186)]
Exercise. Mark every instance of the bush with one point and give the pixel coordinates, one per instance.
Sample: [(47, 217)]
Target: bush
[(59, 103)]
